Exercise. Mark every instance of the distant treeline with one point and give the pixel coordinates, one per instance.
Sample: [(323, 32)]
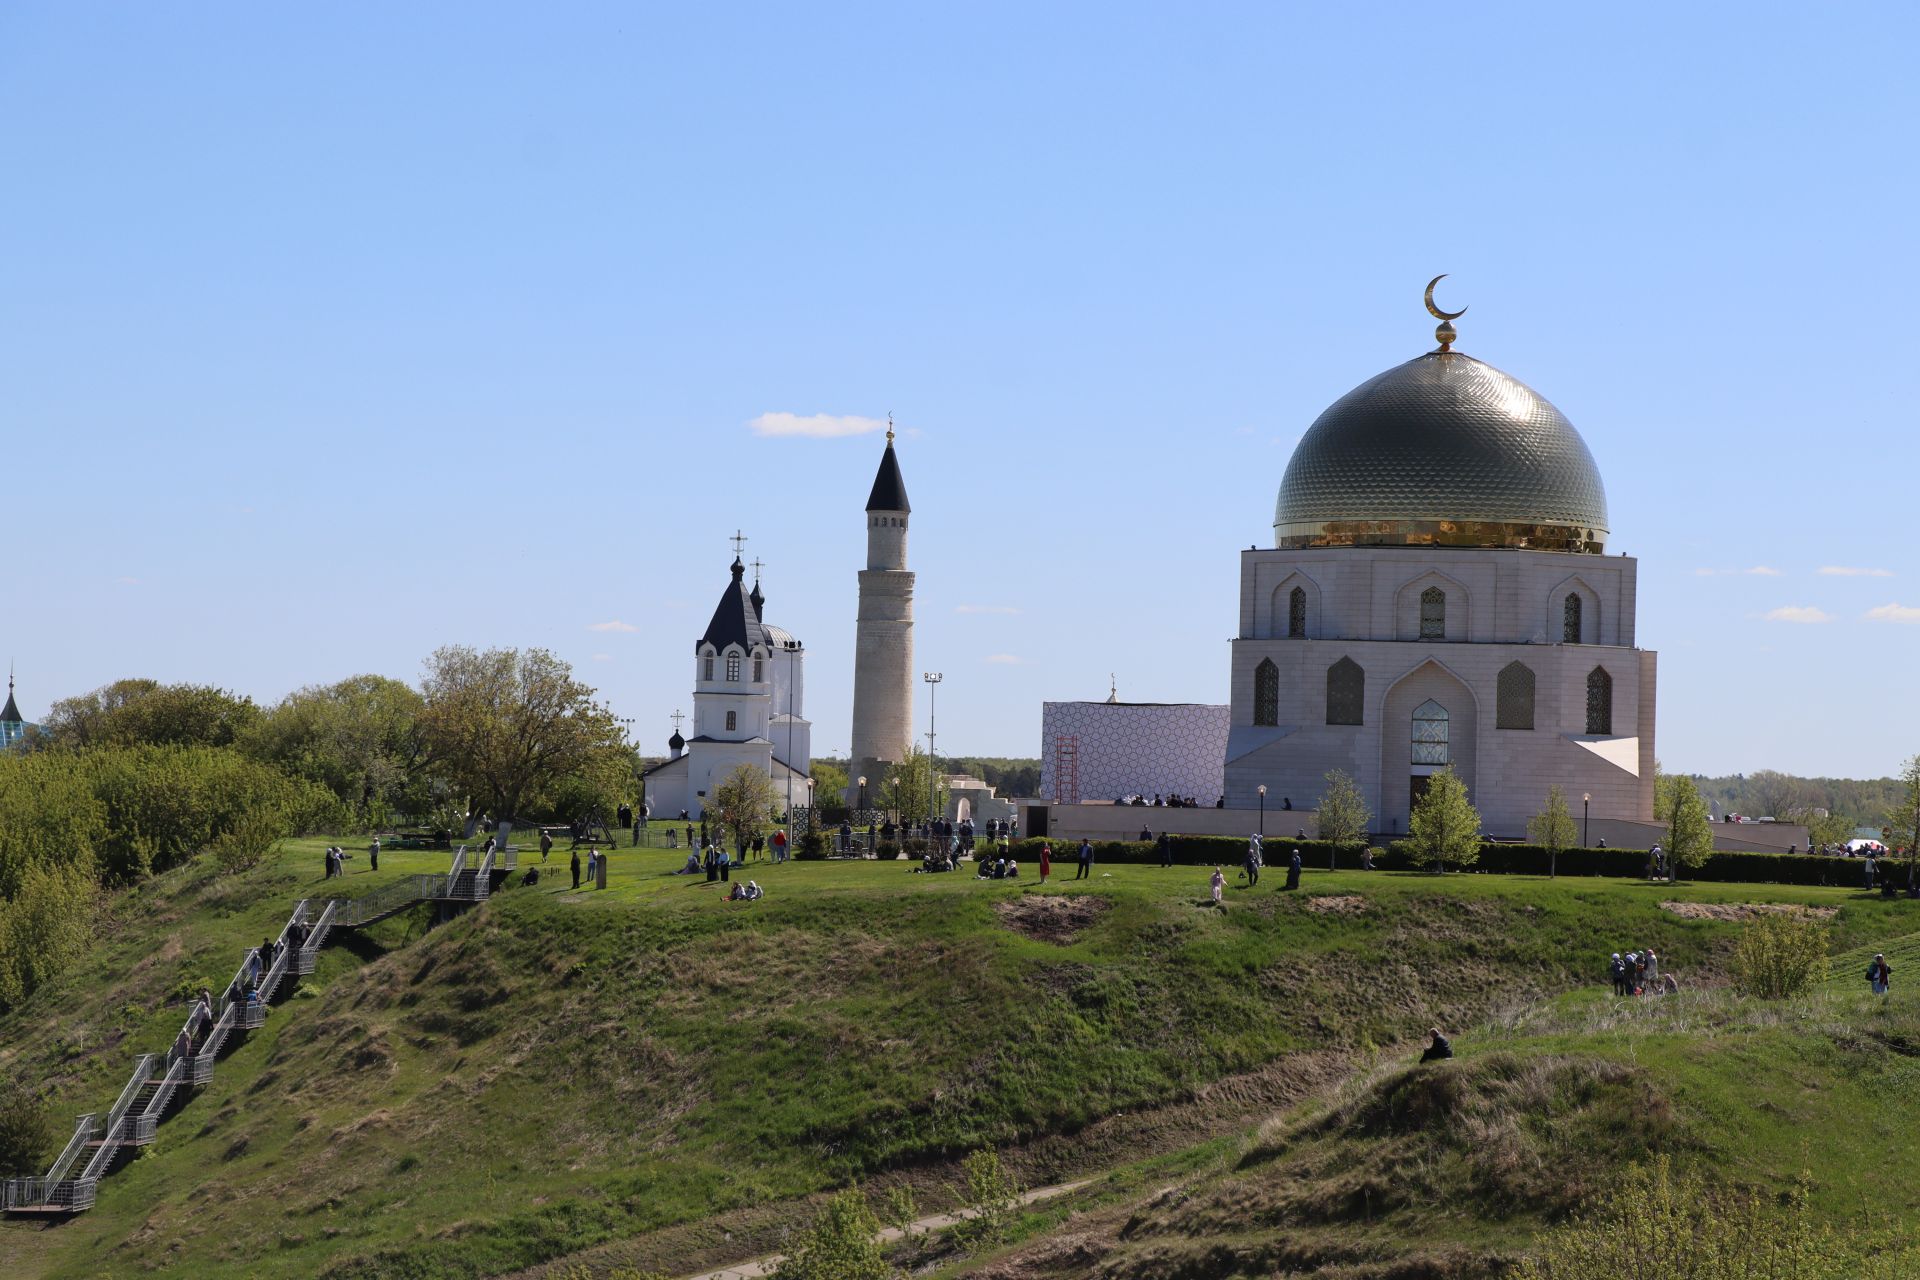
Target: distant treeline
[(1768, 793)]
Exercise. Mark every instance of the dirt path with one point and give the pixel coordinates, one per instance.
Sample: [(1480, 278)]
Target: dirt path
[(762, 1267)]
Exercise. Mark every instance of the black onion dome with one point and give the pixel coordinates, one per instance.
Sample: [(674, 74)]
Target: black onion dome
[(1442, 451)]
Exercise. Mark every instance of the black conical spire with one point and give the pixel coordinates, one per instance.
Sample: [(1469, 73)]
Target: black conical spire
[(889, 490)]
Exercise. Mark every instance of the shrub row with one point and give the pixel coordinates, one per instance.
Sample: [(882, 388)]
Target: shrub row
[(1504, 859)]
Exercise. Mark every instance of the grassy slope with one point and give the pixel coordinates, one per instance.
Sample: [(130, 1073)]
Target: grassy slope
[(560, 1069)]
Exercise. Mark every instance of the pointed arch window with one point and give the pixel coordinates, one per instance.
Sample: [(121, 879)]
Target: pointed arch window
[(1297, 613), (733, 668), (1266, 693), (1430, 726), (1514, 694), (1433, 614), (1346, 692), (1599, 701), (1570, 618)]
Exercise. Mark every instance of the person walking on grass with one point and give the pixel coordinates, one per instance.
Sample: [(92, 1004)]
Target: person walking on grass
[(1046, 861), (1253, 861), (1879, 976), (1293, 870), (546, 844), (1219, 883), (373, 855), (576, 868), (1086, 860)]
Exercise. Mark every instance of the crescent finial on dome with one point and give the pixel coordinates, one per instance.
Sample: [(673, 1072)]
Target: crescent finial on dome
[(1446, 333)]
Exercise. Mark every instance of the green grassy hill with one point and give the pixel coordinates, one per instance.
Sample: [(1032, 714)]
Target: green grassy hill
[(661, 1079)]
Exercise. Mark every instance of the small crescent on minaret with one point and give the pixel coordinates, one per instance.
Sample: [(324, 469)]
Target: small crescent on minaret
[(1436, 312)]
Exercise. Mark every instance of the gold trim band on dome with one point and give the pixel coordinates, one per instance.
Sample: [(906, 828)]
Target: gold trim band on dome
[(1498, 534)]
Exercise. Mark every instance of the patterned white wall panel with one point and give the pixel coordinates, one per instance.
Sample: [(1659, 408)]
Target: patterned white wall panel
[(1119, 748)]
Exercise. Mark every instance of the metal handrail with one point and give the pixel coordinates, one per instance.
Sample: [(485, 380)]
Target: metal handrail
[(142, 1072), (83, 1131)]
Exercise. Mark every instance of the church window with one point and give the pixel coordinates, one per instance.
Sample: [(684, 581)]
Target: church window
[(1346, 692), (1599, 701), (733, 668), (1514, 691), (733, 720), (1433, 614), (1570, 619), (1430, 734), (1297, 613), (759, 669), (706, 668), (1266, 693)]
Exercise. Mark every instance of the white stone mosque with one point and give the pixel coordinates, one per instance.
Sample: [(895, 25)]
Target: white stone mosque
[(1437, 595)]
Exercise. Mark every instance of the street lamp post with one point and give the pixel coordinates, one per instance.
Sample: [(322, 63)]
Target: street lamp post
[(1586, 822), (933, 679), (863, 810), (1262, 789)]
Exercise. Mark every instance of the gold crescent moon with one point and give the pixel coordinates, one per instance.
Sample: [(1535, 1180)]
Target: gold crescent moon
[(1437, 313)]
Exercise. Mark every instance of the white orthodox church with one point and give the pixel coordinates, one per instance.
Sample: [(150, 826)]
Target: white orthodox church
[(1437, 596), (749, 683)]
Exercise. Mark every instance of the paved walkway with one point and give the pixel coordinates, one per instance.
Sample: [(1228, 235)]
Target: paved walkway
[(762, 1267)]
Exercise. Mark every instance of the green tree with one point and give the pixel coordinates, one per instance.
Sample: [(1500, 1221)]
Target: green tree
[(1824, 827), (361, 738), (1445, 827), (840, 1245), (1343, 812), (506, 726), (829, 782), (743, 803), (26, 1140), (1780, 955), (45, 926), (1552, 828), (1689, 833), (144, 712), (914, 788), (1903, 816)]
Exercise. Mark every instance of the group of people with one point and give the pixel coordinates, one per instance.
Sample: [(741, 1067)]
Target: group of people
[(1139, 801), (745, 891), (1637, 973), (337, 858), (998, 867), (596, 864)]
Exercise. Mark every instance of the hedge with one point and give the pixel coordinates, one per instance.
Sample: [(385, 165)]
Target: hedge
[(1502, 859)]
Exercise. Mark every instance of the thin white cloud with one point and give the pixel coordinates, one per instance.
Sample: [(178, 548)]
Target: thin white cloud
[(1004, 659), (819, 426), (984, 608), (1894, 613), (1758, 571), (1798, 613), (615, 625), (1847, 571), (603, 657), (1763, 571)]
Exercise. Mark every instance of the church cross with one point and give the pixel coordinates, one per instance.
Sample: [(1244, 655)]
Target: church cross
[(738, 540), (757, 567), (676, 717)]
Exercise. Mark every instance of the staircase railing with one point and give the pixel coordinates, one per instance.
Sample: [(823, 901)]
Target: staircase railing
[(483, 879), (316, 938), (112, 1130), (55, 1190), (138, 1129), (352, 913)]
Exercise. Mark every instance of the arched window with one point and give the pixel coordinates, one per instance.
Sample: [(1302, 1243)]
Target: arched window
[(1266, 693), (1346, 692), (1514, 692), (1570, 619), (732, 720), (706, 668), (1433, 614), (1599, 701), (733, 668), (1297, 613), (1430, 734), (759, 669)]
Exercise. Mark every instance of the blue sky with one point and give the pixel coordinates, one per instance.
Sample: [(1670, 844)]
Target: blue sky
[(332, 334)]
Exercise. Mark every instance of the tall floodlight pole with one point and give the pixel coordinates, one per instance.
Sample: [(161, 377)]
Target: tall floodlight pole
[(1586, 800), (1262, 789), (933, 679)]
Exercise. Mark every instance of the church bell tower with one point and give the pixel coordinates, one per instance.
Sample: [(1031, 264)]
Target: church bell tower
[(883, 643)]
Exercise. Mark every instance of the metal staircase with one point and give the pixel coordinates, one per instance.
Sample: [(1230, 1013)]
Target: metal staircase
[(158, 1079)]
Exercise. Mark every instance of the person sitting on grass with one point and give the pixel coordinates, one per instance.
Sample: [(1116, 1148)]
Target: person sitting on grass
[(1440, 1048), (1013, 869), (692, 867)]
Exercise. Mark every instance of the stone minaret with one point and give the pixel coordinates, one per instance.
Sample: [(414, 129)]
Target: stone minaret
[(883, 643)]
